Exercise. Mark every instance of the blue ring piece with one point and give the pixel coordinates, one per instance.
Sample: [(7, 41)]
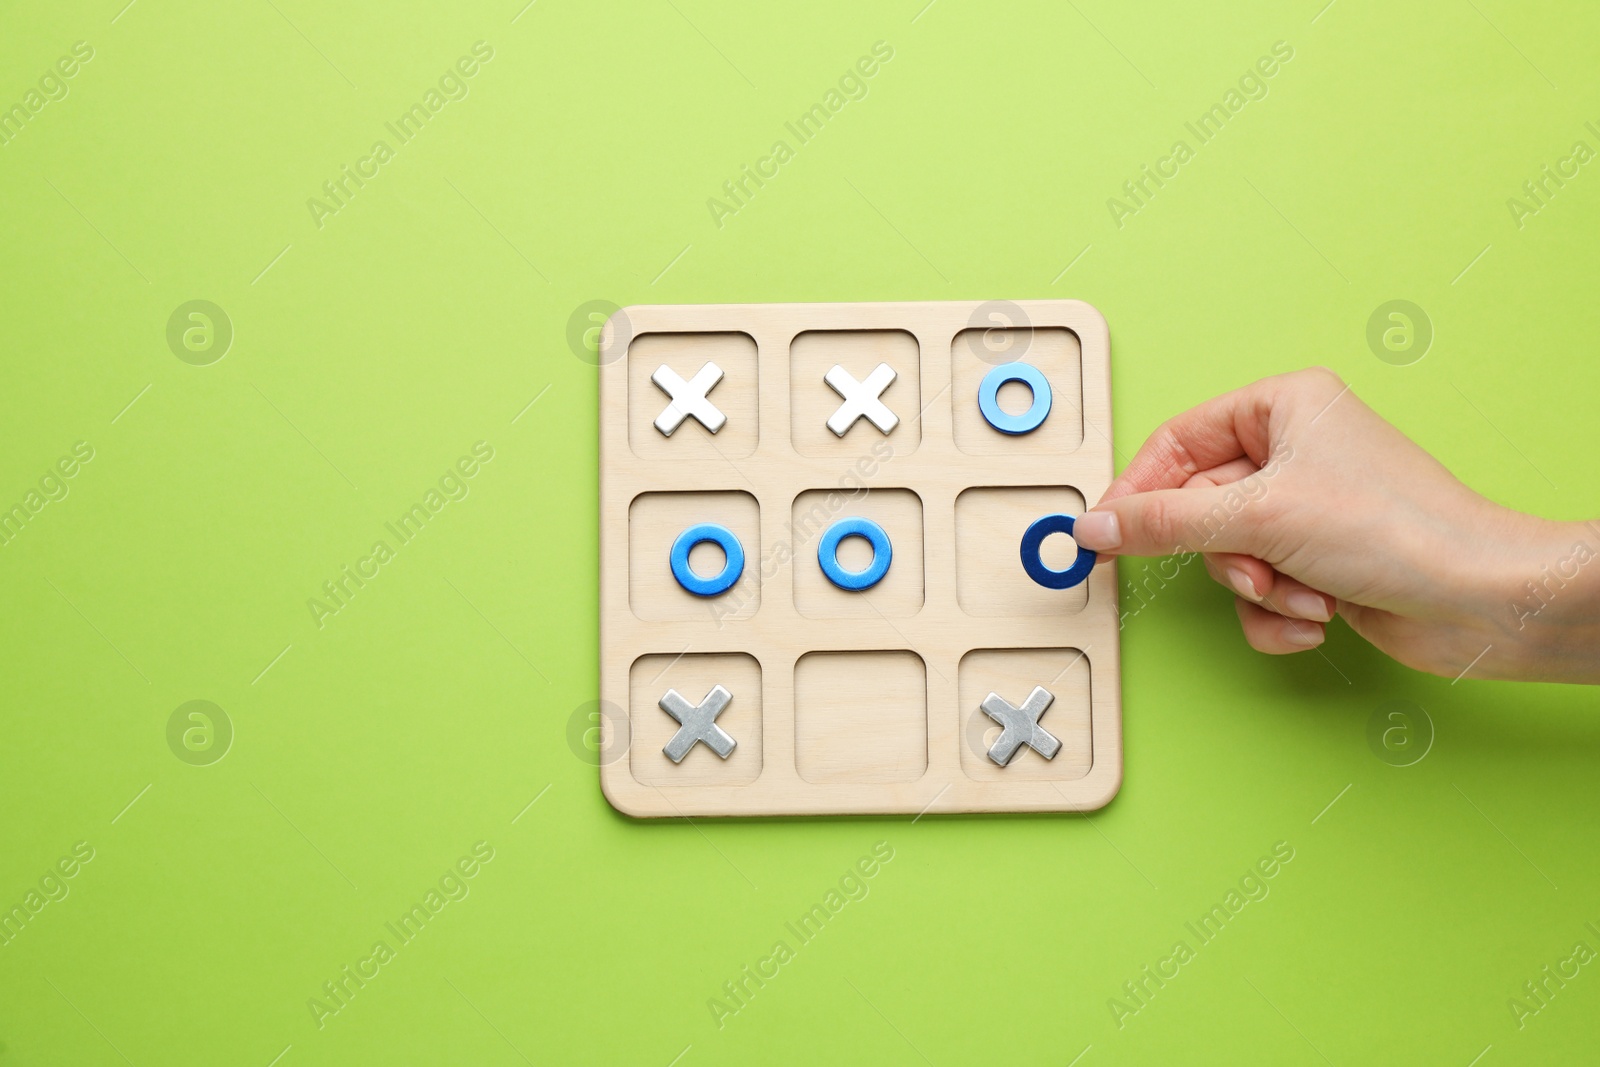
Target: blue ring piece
[(731, 569), (989, 397), (828, 553), (1053, 579)]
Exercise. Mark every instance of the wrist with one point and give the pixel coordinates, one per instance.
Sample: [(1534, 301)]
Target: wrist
[(1549, 592)]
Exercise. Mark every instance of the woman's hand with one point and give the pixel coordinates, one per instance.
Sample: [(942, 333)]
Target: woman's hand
[(1306, 503)]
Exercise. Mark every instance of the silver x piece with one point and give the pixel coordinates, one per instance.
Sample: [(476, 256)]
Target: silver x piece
[(698, 723), (1021, 726)]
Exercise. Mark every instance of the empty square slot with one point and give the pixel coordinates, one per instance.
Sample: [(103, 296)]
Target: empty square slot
[(693, 677), (1054, 352), (990, 523), (858, 353), (1012, 674), (657, 520), (898, 512), (860, 717), (733, 398)]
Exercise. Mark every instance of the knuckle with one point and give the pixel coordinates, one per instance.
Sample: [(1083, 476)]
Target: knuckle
[(1316, 386), (1163, 525), (1323, 376), (1172, 446), (1264, 512)]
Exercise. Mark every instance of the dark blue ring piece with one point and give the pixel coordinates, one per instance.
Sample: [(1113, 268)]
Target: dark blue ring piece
[(1053, 579), (828, 554), (732, 568)]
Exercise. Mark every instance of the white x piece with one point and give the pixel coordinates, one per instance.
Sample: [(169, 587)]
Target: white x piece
[(688, 398), (861, 399)]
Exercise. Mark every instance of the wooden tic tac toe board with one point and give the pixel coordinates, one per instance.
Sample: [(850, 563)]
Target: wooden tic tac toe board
[(839, 701)]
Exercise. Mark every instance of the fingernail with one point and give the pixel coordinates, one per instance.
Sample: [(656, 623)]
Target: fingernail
[(1309, 636), (1098, 531), (1242, 584), (1308, 605)]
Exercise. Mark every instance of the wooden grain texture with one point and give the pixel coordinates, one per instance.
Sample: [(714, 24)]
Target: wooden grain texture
[(899, 594), (990, 522), (1012, 673), (858, 351), (736, 395), (693, 676), (860, 717), (1057, 353), (837, 685), (655, 520)]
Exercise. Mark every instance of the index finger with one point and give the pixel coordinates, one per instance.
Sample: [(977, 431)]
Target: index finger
[(1226, 428)]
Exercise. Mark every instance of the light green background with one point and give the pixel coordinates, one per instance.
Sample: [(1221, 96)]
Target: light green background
[(370, 354)]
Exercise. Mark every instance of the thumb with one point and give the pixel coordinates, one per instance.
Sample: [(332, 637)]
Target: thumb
[(1200, 519)]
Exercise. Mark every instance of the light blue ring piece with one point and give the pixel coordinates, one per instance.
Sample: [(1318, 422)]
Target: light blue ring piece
[(828, 553), (731, 569), (989, 397)]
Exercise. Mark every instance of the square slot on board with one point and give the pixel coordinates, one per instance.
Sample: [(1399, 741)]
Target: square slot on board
[(694, 676), (655, 520), (898, 593), (1054, 352), (990, 522), (858, 352), (860, 717), (733, 397), (1012, 673)]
